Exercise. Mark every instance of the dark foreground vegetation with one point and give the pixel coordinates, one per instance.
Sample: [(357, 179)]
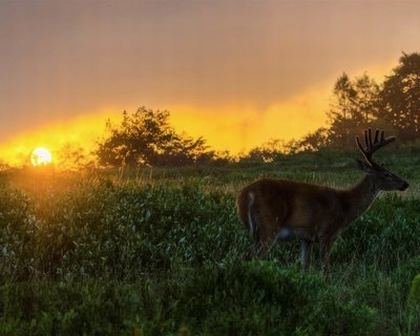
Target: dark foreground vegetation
[(161, 252)]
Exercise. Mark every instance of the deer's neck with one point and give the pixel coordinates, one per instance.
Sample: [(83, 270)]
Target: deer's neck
[(359, 198)]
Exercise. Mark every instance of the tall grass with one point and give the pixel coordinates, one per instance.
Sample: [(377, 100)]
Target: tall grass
[(163, 253)]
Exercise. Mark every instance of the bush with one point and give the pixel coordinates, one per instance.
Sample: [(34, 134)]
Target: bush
[(243, 299), (105, 256), (386, 235)]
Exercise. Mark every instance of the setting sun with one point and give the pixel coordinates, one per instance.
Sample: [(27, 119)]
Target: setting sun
[(41, 157)]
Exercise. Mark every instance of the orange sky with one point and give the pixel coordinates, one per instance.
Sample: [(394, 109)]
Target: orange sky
[(237, 127), (236, 72)]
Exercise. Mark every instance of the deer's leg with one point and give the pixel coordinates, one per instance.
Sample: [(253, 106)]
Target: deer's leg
[(305, 253), (325, 251), (265, 240)]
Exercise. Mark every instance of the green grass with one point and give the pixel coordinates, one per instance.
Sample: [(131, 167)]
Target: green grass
[(162, 252)]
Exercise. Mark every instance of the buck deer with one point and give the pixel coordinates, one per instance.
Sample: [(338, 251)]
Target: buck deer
[(282, 210)]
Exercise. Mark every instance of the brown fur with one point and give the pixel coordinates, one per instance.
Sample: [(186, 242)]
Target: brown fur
[(310, 212), (281, 203)]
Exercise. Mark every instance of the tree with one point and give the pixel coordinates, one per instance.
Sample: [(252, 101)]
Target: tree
[(145, 137), (344, 98), (358, 103), (269, 151), (314, 141), (367, 98), (354, 106), (400, 97)]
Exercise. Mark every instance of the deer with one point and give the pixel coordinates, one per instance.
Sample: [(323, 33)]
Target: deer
[(279, 209)]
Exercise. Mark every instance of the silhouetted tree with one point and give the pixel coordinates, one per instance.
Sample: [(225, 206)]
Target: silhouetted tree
[(314, 141), (269, 151), (367, 98), (344, 98), (354, 106), (358, 103), (145, 137), (400, 97)]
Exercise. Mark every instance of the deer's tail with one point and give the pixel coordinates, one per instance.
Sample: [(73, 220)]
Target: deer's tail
[(246, 209)]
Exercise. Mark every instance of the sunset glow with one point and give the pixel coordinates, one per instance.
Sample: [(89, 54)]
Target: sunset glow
[(234, 127), (82, 132), (236, 75), (41, 157)]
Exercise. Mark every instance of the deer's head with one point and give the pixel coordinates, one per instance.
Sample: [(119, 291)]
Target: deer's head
[(382, 177)]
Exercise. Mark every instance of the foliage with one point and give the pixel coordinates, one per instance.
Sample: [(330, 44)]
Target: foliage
[(414, 297), (145, 137), (246, 298), (101, 254), (361, 102), (312, 142), (270, 151), (356, 104), (414, 305), (400, 97)]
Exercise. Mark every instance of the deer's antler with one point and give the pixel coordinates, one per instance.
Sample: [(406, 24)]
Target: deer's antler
[(373, 146)]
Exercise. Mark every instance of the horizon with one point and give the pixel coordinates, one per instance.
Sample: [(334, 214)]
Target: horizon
[(236, 75)]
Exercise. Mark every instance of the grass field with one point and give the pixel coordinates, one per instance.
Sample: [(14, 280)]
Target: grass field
[(162, 252)]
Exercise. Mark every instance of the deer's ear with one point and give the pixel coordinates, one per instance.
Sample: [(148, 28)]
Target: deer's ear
[(362, 165)]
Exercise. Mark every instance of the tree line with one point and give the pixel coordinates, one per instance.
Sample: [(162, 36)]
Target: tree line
[(361, 102), (146, 137)]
